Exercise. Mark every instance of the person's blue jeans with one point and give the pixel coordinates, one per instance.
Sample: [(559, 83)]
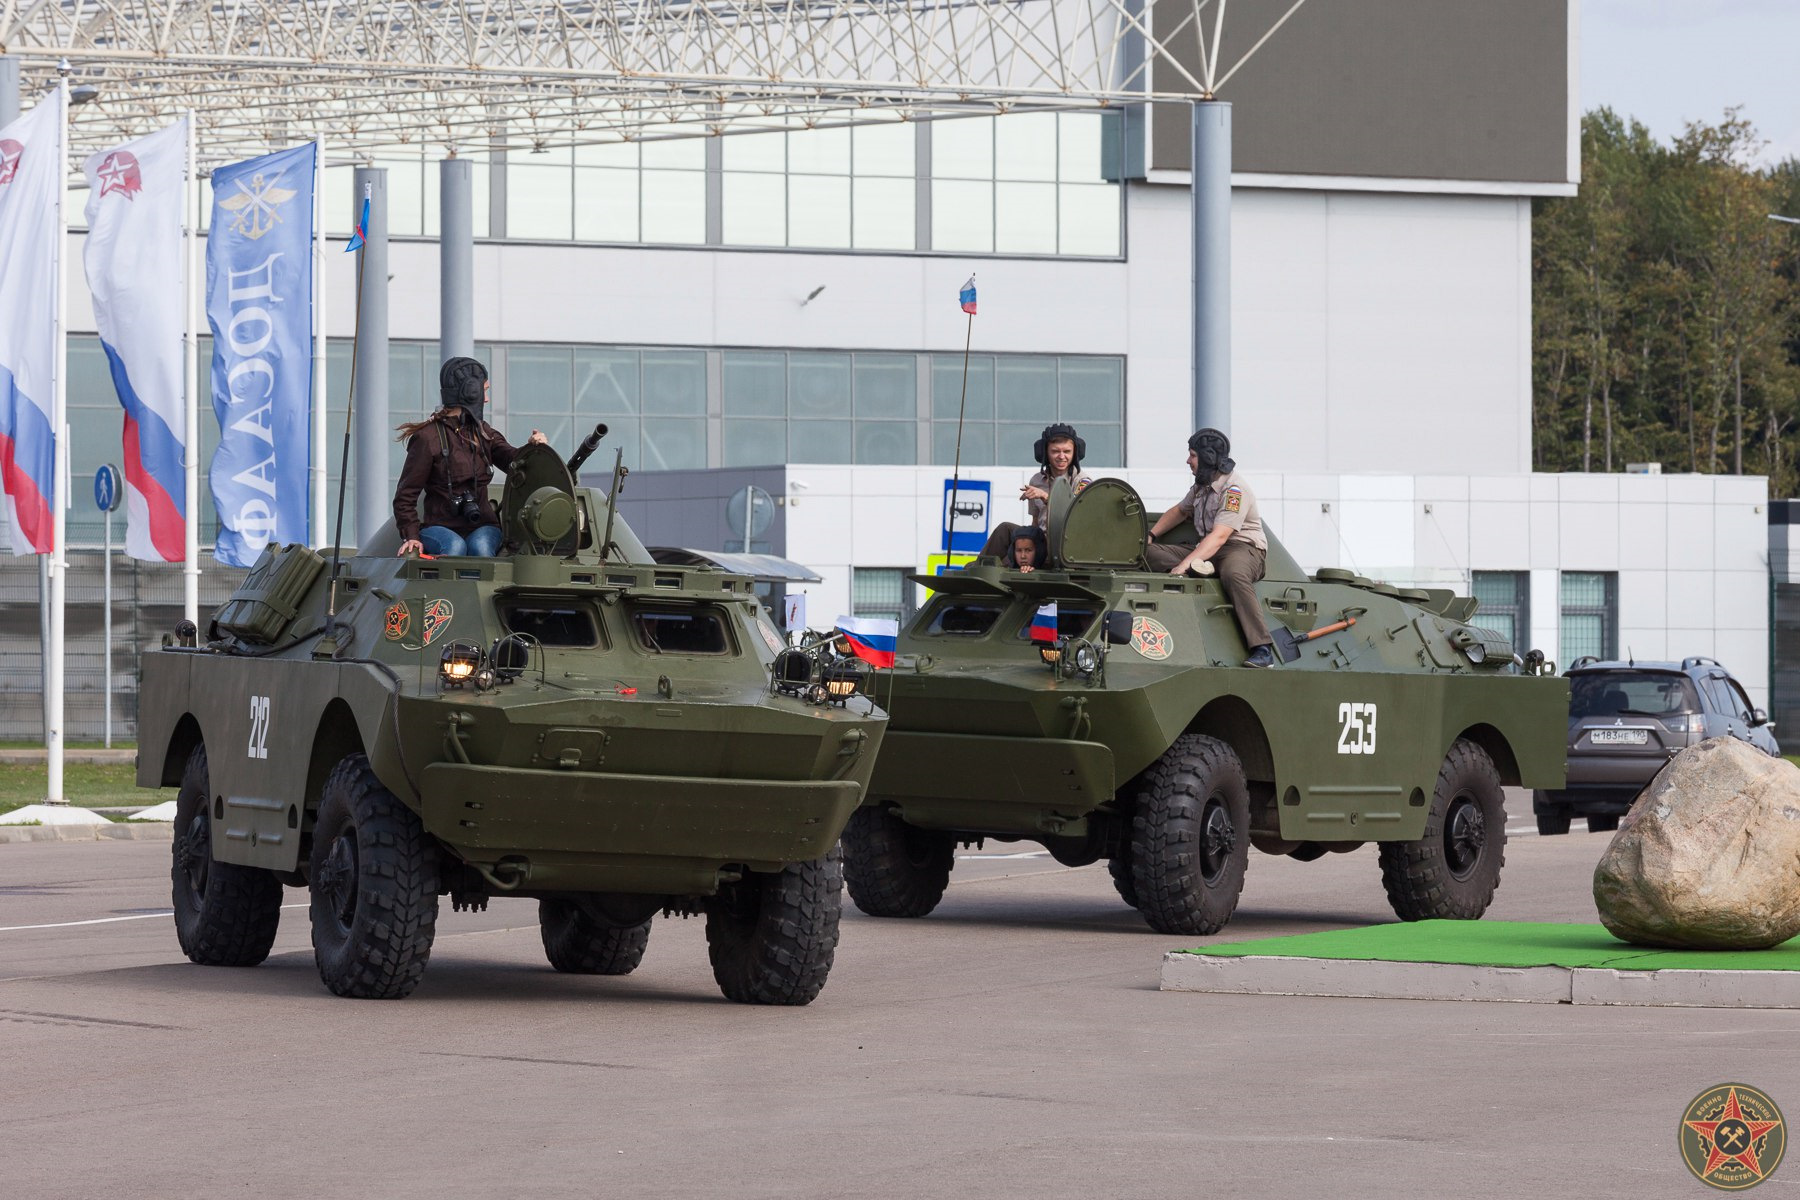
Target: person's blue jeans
[(481, 543)]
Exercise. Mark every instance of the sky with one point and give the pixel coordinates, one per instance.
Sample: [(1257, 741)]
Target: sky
[(1667, 62)]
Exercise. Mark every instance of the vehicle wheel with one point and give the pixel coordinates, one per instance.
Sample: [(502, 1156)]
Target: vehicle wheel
[(772, 937), (1119, 867), (894, 869), (374, 879), (1453, 870), (1549, 822), (1603, 824), (576, 943), (225, 914), (1190, 837)]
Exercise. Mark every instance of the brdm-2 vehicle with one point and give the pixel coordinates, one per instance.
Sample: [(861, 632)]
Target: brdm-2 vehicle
[(1136, 736), (568, 722)]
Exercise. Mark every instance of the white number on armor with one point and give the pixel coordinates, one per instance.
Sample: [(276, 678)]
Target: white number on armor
[(259, 727), (1356, 734)]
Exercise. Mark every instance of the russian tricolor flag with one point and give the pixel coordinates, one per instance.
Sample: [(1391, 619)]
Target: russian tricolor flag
[(871, 638), (1043, 623), (30, 179), (967, 296)]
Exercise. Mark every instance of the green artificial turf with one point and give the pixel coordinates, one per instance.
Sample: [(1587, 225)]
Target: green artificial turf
[(1505, 944)]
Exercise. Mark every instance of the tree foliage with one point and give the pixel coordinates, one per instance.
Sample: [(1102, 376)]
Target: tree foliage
[(1666, 327)]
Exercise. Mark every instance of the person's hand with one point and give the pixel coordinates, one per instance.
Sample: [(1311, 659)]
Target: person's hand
[(411, 546), (1026, 570), (1179, 568), (1033, 493), (538, 437)]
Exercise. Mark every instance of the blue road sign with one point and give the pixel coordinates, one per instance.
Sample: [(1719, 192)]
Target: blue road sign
[(966, 529), (108, 489)]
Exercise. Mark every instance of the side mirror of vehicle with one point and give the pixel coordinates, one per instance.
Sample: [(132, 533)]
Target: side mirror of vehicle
[(1118, 628), (1759, 718)]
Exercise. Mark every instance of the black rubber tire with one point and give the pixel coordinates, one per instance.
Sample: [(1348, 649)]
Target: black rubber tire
[(772, 937), (577, 944), (1451, 873), (1551, 824), (1119, 867), (225, 914), (894, 869), (1603, 823), (374, 884), (1190, 837)]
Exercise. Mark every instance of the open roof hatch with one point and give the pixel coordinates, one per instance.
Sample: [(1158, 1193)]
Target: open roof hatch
[(1103, 528)]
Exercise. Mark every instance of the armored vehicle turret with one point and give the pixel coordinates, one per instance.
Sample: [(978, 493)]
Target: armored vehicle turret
[(1130, 732), (568, 722)]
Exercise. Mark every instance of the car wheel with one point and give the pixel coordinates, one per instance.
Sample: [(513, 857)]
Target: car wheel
[(772, 937), (226, 914), (1603, 823), (1453, 870), (1190, 837)]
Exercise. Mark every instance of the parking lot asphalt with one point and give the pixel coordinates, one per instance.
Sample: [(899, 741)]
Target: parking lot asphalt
[(1011, 1044)]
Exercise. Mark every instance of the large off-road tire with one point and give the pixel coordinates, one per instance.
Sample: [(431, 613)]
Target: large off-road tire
[(374, 880), (1190, 837), (576, 943), (225, 914), (1549, 824), (1119, 867), (1603, 822), (1452, 871), (772, 938), (894, 869)]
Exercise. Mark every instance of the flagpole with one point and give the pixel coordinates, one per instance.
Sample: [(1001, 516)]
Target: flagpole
[(320, 345), (956, 467), (59, 484), (190, 434)]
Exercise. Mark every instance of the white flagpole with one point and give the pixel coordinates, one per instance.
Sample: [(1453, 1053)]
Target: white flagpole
[(319, 346), (190, 592), (59, 486)]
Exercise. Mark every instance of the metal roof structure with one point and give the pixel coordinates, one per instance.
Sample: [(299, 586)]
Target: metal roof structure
[(526, 74)]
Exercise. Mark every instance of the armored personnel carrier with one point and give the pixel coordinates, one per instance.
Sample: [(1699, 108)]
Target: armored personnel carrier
[(568, 722), (1133, 734)]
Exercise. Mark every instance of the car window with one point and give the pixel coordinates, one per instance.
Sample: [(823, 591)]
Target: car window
[(1723, 702), (1655, 693), (1739, 699), (961, 618)]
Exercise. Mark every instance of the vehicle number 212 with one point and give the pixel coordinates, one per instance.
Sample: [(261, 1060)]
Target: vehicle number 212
[(1356, 732), (259, 727)]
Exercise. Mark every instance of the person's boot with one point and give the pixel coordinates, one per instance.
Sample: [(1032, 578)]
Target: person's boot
[(1262, 656)]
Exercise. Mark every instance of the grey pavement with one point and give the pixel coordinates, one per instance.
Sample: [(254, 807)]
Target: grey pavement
[(1013, 1044)]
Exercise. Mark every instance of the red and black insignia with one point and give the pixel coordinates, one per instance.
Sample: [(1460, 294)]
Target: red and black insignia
[(436, 619), (396, 621)]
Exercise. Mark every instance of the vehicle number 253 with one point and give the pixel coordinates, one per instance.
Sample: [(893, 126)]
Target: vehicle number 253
[(259, 727), (1356, 729)]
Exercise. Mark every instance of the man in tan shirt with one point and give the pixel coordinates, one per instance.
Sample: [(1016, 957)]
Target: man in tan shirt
[(1223, 510)]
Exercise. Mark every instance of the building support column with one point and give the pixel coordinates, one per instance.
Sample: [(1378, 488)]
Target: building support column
[(371, 435), (456, 259), (10, 80), (1212, 265)]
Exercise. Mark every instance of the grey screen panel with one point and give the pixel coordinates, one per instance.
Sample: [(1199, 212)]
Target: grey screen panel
[(1407, 89)]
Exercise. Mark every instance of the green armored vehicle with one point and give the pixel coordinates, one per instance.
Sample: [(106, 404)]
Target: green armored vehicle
[(589, 730), (1135, 736)]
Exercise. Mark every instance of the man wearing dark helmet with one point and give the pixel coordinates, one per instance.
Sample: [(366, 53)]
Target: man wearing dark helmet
[(1059, 451), (1224, 513)]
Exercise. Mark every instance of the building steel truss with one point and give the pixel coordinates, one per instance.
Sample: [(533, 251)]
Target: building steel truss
[(527, 74)]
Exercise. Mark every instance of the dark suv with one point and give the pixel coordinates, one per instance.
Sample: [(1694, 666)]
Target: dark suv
[(1626, 719)]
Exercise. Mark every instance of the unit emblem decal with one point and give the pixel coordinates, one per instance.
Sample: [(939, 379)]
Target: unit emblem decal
[(1234, 499), (1732, 1137), (1151, 638), (396, 621), (436, 619)]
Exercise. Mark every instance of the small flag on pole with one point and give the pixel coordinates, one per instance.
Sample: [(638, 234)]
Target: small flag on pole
[(362, 230), (967, 296), (1043, 623), (872, 639)]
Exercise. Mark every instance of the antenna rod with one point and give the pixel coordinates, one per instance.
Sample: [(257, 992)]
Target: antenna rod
[(956, 465), (612, 499)]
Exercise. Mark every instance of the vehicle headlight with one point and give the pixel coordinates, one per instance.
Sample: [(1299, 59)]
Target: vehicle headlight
[(1087, 659), (459, 662), (843, 681), (1051, 653)]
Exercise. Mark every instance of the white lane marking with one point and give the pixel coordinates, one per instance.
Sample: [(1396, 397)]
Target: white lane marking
[(105, 920), (1022, 854)]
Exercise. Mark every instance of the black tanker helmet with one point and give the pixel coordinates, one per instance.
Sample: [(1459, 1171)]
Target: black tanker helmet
[(1056, 433), (460, 385), (1212, 452)]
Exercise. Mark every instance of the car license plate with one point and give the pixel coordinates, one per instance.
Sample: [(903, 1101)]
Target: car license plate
[(1618, 737)]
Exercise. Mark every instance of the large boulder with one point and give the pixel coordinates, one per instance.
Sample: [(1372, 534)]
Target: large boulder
[(1709, 856)]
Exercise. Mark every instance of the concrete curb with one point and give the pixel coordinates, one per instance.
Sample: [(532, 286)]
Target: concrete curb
[(98, 755), (1272, 976), (147, 831)]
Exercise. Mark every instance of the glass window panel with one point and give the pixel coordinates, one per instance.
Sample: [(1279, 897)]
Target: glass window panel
[(1499, 622), (878, 592), (606, 205), (674, 206), (621, 433), (539, 379), (1105, 445), (1015, 443), (674, 383), (610, 154), (755, 443), (1088, 219), (1025, 146), (755, 152), (1093, 389), (1583, 635), (962, 216), (407, 399), (891, 149), (1025, 218), (894, 442), (405, 195), (977, 443), (606, 382), (1582, 589), (674, 445), (90, 377), (753, 383), (818, 152), (887, 386), (1025, 390), (676, 153), (818, 210), (754, 209), (947, 399), (559, 431), (539, 201), (819, 386), (819, 441), (883, 214), (1078, 158), (963, 148)]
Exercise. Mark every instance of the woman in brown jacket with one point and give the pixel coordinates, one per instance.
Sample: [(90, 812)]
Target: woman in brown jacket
[(450, 460)]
